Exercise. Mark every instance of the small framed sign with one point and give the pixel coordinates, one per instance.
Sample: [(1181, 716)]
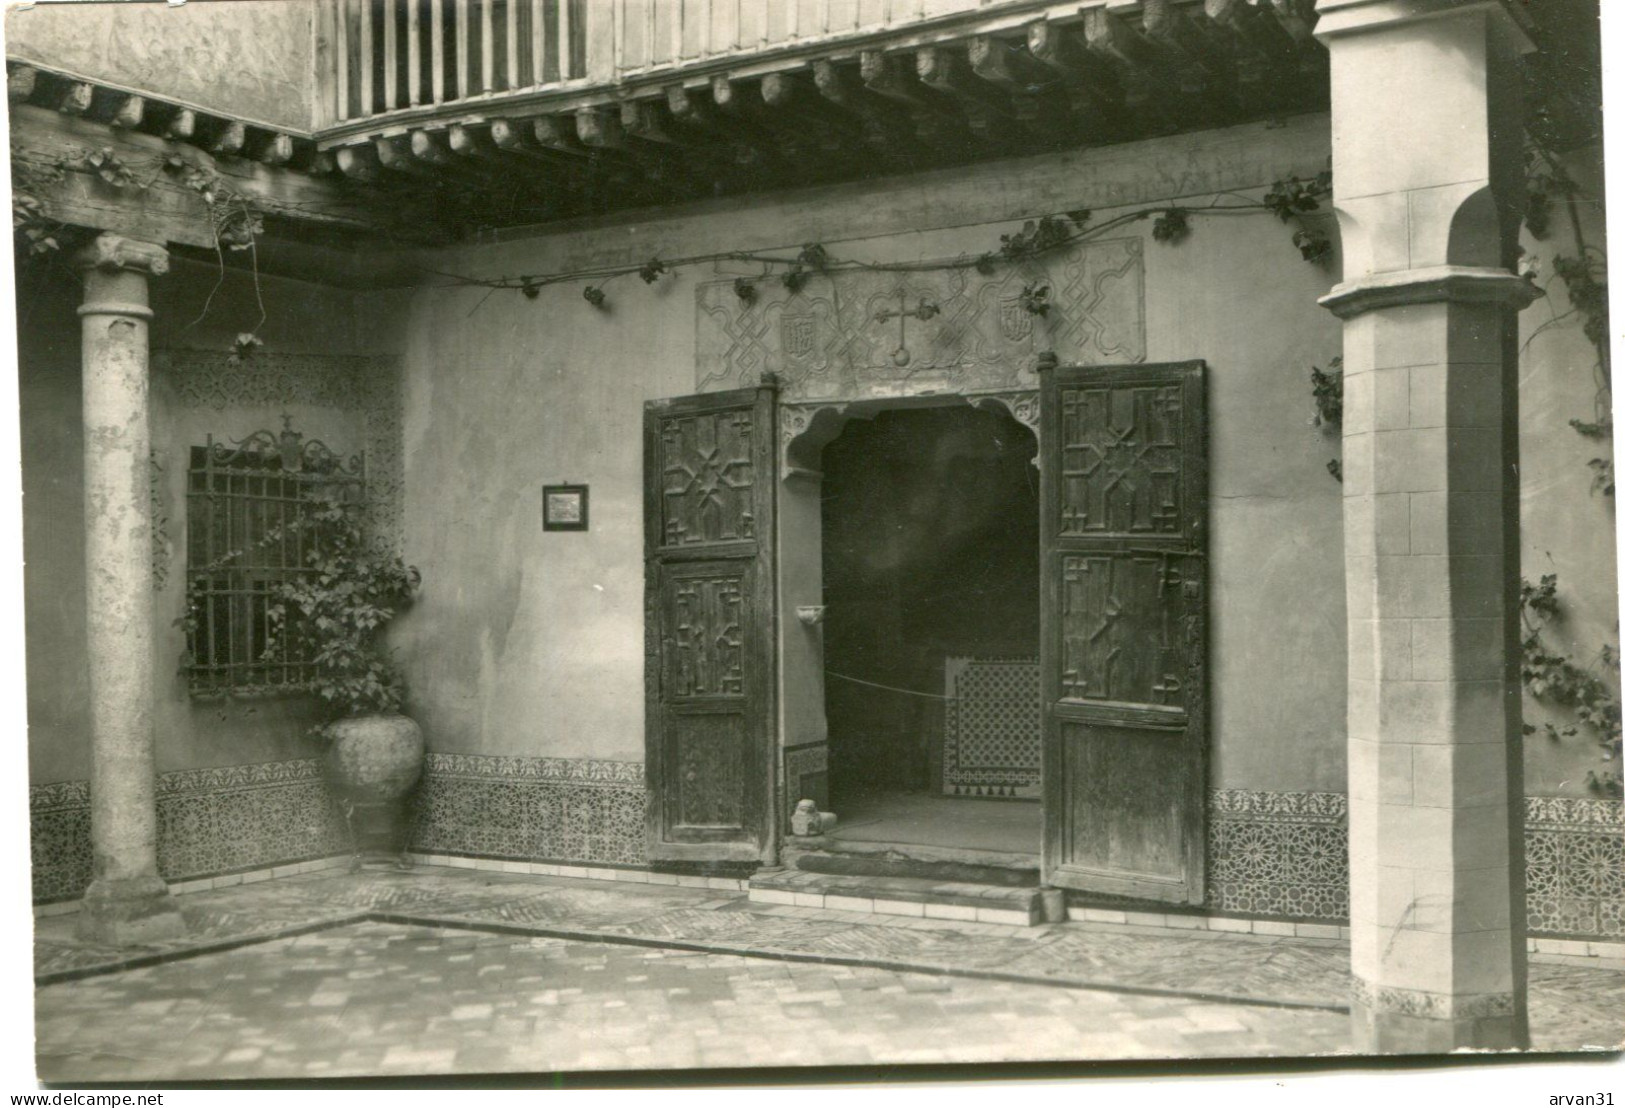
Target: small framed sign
[(564, 507)]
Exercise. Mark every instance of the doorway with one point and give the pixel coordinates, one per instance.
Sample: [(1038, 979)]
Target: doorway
[(931, 635)]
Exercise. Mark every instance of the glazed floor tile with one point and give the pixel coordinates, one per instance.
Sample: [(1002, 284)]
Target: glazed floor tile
[(371, 956), (388, 999)]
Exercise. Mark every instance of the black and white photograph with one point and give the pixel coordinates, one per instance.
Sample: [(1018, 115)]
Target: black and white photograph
[(1102, 551)]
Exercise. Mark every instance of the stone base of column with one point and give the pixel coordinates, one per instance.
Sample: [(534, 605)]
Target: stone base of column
[(129, 911), (1404, 1021)]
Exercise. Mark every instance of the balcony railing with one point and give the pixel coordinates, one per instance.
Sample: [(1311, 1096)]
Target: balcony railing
[(409, 56)]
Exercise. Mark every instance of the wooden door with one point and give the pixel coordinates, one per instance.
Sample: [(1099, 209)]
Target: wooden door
[(1124, 629), (709, 671)]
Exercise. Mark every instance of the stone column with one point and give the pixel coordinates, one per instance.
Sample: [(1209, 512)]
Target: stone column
[(1426, 157), (127, 902)]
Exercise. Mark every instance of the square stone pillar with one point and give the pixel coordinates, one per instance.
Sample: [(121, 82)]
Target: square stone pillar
[(127, 902), (1427, 170)]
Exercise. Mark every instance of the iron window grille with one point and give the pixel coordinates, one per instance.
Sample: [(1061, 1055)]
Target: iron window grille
[(248, 510)]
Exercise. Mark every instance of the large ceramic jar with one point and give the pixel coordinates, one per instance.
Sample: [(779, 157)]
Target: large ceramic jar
[(372, 764), (374, 759)]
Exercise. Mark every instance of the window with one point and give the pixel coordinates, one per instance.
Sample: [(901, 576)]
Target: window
[(246, 513)]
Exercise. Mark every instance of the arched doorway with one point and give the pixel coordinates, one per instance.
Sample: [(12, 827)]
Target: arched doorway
[(931, 628)]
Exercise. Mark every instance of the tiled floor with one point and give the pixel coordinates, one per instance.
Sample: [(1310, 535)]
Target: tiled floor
[(464, 971), (377, 998)]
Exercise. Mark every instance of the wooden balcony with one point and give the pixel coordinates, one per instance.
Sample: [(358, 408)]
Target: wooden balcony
[(530, 110), (415, 59)]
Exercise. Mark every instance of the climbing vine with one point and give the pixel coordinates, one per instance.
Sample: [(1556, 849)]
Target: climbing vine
[(1293, 200), (235, 224), (1585, 698), (1327, 387), (1587, 703), (1584, 275)]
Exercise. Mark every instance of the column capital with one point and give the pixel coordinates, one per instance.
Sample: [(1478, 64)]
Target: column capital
[(113, 252), (1343, 17), (1455, 284)]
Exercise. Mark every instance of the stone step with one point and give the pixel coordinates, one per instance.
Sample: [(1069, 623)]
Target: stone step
[(824, 854), (919, 897)]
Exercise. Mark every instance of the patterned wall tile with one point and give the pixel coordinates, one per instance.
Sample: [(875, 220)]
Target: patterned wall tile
[(1286, 854), (1575, 866), (210, 821), (553, 809), (992, 728), (1269, 853), (1278, 853)]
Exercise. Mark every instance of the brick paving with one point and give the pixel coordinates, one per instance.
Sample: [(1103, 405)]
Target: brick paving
[(458, 971)]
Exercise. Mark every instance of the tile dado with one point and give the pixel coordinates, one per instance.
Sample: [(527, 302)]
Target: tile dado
[(1279, 854), (1286, 854), (555, 809), (1575, 866), (210, 821)]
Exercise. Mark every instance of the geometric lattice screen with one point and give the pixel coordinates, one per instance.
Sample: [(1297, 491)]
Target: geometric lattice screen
[(992, 729)]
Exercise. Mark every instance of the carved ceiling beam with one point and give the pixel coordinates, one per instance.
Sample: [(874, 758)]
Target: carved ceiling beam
[(359, 162), (168, 208), (318, 163), (601, 128), (781, 140), (881, 125), (987, 110), (1035, 92), (229, 136), (128, 111), (433, 148), (395, 155), (935, 121), (792, 98), (556, 136), (504, 148), (76, 98), (275, 149), (1137, 62), (20, 82), (733, 144), (183, 125), (1196, 61), (1091, 87), (1262, 51), (1297, 18), (648, 121)]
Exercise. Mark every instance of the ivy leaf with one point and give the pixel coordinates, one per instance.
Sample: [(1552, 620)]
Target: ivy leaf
[(745, 289), (651, 270), (594, 295), (1172, 226)]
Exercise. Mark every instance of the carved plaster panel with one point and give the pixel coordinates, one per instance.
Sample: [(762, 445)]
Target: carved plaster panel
[(825, 341), (805, 429)]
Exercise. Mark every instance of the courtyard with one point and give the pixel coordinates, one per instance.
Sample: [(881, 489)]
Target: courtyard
[(453, 971)]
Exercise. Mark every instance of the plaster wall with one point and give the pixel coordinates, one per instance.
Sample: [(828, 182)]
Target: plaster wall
[(532, 644), (300, 319), (1568, 526), (248, 59)]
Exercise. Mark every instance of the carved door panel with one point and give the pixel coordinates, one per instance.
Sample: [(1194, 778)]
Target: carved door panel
[(1123, 649), (709, 625)]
